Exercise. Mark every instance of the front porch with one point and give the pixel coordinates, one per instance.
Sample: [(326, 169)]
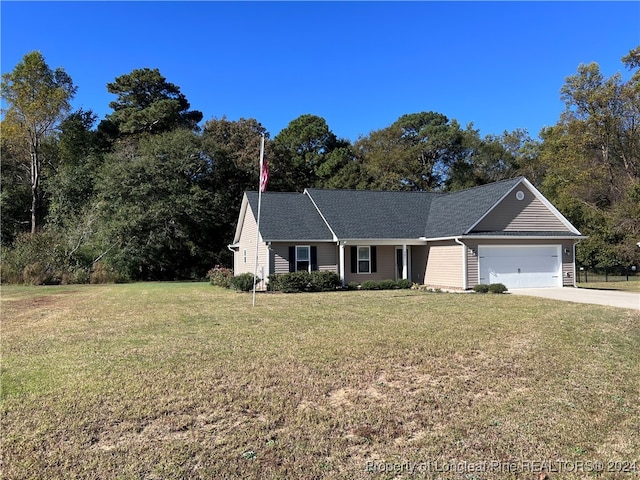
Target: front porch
[(359, 261)]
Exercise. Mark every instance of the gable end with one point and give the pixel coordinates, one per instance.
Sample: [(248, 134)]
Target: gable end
[(523, 209)]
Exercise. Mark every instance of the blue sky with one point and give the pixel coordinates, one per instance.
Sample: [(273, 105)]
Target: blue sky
[(359, 65)]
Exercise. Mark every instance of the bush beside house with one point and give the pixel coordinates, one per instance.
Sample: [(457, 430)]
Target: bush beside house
[(294, 282), (492, 288), (220, 276), (242, 282)]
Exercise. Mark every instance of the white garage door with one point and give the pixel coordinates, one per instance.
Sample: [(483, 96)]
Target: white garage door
[(521, 266)]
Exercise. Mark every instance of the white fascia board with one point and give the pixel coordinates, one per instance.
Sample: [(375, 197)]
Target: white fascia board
[(381, 241), (302, 241), (504, 237), (523, 237), (243, 210), (439, 239), (308, 194)]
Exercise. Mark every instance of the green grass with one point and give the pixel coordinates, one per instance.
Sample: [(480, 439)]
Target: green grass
[(630, 286), (186, 380)]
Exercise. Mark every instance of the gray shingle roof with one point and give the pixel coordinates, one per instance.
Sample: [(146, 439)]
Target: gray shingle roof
[(370, 214), (454, 213), (288, 216), (391, 214)]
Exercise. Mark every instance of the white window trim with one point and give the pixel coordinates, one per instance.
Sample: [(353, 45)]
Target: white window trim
[(308, 247), (368, 260)]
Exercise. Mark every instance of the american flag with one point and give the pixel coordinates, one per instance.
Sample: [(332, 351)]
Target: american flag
[(264, 176)]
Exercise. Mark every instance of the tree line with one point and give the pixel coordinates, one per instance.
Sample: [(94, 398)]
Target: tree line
[(150, 192)]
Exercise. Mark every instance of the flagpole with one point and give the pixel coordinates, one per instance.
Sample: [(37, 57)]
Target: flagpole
[(255, 271)]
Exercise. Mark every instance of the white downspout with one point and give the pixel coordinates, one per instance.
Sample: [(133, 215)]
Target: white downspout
[(342, 263), (234, 256), (464, 262)]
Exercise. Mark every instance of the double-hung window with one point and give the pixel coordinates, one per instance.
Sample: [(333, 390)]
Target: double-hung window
[(303, 258), (364, 259)]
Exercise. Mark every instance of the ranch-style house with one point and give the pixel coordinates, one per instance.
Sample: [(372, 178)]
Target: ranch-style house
[(504, 232)]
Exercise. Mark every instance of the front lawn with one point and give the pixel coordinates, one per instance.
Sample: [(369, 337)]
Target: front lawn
[(624, 286), (186, 380)]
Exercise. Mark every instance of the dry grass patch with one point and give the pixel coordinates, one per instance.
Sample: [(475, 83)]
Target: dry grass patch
[(189, 381)]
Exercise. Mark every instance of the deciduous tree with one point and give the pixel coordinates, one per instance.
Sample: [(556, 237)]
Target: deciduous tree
[(592, 155), (70, 188), (233, 149), (37, 99), (154, 213), (414, 153)]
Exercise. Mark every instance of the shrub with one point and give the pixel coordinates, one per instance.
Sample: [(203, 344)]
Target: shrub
[(292, 282), (36, 259), (383, 284), (243, 282), (353, 286), (324, 281), (8, 273), (387, 285), (36, 274), (369, 285), (497, 288), (76, 275), (46, 257), (492, 288), (220, 276), (102, 273), (273, 285)]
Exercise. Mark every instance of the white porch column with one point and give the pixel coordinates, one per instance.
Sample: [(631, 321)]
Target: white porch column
[(267, 267), (341, 266), (405, 262)]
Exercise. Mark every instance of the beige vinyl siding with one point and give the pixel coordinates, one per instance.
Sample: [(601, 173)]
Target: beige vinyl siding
[(568, 273), (527, 215), (472, 262), (327, 256), (472, 267), (247, 242), (280, 255), (568, 264), (444, 265)]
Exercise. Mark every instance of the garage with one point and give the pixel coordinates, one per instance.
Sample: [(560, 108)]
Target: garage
[(523, 266)]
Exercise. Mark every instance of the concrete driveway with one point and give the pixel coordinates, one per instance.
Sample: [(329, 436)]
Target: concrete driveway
[(612, 298)]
